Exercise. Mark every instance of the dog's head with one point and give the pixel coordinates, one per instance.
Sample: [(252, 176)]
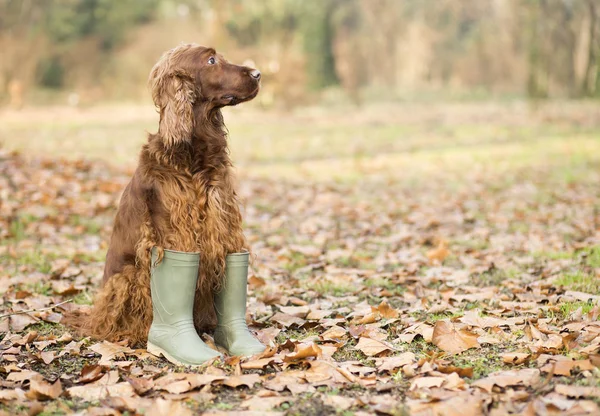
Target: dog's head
[(191, 75)]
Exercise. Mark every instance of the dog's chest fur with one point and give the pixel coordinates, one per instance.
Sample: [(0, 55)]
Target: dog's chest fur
[(194, 206)]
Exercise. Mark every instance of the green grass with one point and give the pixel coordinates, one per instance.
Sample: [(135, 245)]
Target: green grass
[(553, 255), (327, 287), (592, 257), (382, 283), (580, 282), (296, 334), (83, 298), (48, 328), (89, 225), (332, 143), (483, 361), (493, 277), (36, 258), (567, 308)]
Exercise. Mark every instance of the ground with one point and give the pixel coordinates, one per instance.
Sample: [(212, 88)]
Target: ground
[(408, 259)]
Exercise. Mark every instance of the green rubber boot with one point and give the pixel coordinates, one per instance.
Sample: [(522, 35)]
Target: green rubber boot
[(172, 333), (230, 304)]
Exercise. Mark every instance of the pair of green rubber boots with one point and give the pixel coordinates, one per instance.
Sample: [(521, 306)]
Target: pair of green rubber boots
[(173, 285)]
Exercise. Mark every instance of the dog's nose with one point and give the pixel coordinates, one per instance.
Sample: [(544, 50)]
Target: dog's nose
[(255, 73)]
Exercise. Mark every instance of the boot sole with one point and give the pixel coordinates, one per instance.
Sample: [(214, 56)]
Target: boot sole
[(159, 352)]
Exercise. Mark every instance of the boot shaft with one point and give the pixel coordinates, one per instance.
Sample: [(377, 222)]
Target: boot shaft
[(173, 285), (230, 302)]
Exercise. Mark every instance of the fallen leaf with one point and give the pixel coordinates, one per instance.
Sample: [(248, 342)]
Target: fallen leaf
[(39, 389), (526, 377), (385, 310), (286, 320), (47, 356), (426, 382), (473, 318), (91, 392), (577, 391), (391, 363), (438, 254), (452, 340), (90, 373), (461, 371), (263, 404), (371, 347), (303, 351), (110, 351), (21, 321), (257, 364), (244, 380), (335, 333), (564, 367), (515, 358)]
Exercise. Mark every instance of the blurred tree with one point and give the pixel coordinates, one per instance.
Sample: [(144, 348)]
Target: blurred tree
[(317, 32), (538, 47)]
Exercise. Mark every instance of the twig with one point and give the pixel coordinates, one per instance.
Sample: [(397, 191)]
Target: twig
[(36, 310)]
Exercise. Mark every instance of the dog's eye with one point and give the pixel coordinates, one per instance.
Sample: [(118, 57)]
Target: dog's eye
[(212, 61)]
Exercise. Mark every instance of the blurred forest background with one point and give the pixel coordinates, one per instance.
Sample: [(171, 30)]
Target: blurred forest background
[(84, 51)]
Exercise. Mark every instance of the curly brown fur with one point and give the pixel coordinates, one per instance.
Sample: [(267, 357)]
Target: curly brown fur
[(182, 195)]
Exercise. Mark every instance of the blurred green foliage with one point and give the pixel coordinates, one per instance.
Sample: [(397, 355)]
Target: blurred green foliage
[(541, 47)]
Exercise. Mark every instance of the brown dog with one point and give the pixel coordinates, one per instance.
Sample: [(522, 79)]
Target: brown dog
[(182, 194)]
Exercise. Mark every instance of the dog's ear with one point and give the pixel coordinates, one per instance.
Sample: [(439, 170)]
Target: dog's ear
[(174, 94)]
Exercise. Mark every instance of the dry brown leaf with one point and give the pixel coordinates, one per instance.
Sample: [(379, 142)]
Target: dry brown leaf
[(39, 389), (577, 391), (23, 375), (161, 407), (515, 358), (564, 367), (303, 351), (318, 314), (371, 347), (385, 310), (19, 322), (258, 364), (64, 288), (47, 356), (91, 373), (335, 333), (323, 373), (438, 254), (254, 282), (91, 392), (9, 395), (110, 351), (374, 332), (391, 363), (297, 311), (140, 385), (175, 383), (245, 380), (461, 371), (339, 402), (450, 339), (286, 320), (30, 337), (525, 377), (472, 318), (263, 404), (72, 348), (452, 404), (426, 382)]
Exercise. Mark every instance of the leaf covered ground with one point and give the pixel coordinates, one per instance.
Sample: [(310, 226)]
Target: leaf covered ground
[(442, 261)]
